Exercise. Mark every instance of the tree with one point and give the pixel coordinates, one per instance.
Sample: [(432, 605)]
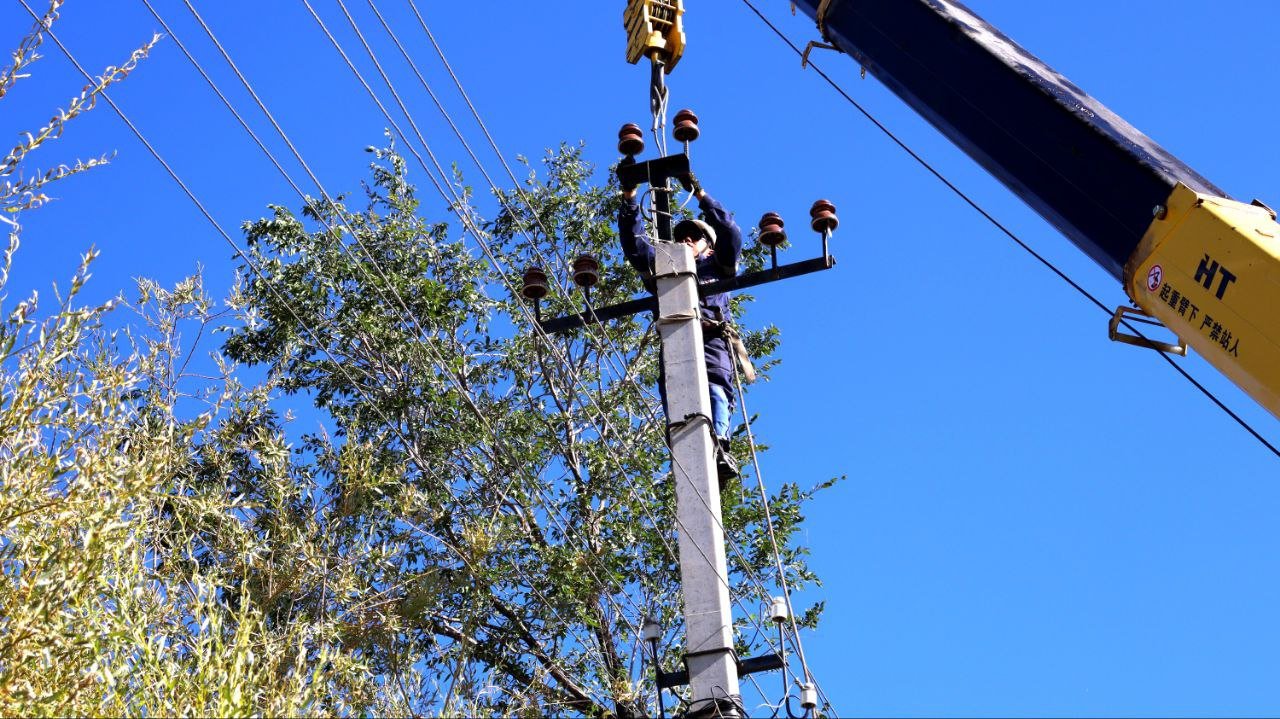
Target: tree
[(513, 492), (101, 610)]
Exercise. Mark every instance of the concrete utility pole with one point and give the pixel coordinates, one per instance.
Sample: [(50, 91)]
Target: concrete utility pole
[(709, 655)]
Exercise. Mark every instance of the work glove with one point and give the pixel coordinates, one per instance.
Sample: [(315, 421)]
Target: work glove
[(626, 186), (690, 182)]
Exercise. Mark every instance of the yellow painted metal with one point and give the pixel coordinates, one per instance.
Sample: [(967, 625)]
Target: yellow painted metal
[(655, 26), (1209, 269)]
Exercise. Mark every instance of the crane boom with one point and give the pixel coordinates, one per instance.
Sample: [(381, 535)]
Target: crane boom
[(1205, 265)]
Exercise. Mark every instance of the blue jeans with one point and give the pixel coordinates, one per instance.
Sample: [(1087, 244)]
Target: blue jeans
[(721, 409)]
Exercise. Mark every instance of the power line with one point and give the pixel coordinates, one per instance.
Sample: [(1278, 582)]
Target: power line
[(610, 348), (249, 262), (568, 534), (438, 360), (497, 264), (321, 187)]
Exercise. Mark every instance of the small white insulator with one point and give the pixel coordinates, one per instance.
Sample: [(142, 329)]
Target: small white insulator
[(778, 610), (808, 696), (650, 631)]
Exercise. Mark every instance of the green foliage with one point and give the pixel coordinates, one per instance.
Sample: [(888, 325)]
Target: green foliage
[(516, 487), (100, 617), (103, 608), (478, 528), (20, 192)]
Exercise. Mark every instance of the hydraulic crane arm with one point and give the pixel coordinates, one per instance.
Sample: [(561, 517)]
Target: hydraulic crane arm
[(1206, 266)]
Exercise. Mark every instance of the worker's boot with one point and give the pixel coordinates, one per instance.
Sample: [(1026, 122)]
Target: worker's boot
[(726, 467)]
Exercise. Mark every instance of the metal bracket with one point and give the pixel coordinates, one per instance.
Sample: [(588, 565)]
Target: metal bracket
[(641, 304), (1113, 332), (762, 663), (804, 56), (653, 172)]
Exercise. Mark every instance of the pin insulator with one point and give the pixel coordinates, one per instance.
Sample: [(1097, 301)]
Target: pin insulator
[(631, 140), (586, 271), (686, 126), (650, 631), (535, 284), (771, 232), (808, 696), (823, 215), (778, 610)]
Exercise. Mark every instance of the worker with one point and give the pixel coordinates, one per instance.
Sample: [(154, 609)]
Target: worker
[(716, 241)]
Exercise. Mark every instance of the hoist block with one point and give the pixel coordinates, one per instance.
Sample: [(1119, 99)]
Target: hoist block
[(654, 27)]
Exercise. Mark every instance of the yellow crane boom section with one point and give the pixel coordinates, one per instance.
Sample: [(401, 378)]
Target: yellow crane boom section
[(1209, 269)]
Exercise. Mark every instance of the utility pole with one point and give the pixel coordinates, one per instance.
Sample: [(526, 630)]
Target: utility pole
[(709, 656), (712, 668)]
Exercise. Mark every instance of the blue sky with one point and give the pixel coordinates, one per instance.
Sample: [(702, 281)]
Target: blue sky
[(1036, 521)]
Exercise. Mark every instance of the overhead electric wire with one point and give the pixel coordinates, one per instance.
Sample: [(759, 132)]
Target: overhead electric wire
[(972, 203), (173, 175), (519, 191), (407, 443), (568, 534), (484, 246), (191, 196), (475, 113), (222, 232), (773, 540), (248, 261)]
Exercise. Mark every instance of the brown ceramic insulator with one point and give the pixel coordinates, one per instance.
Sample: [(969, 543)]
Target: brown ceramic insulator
[(535, 284), (630, 139), (586, 271), (686, 126), (823, 215), (771, 232)]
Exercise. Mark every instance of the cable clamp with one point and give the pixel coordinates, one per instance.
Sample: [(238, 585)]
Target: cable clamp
[(689, 419), (676, 318)]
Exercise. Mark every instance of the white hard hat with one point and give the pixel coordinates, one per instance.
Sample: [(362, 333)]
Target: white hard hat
[(685, 227)]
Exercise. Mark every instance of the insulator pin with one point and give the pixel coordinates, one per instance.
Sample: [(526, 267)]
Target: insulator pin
[(631, 140), (586, 271), (535, 284), (823, 215), (771, 232), (686, 126)]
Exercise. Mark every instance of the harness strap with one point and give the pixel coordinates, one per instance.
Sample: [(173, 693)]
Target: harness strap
[(730, 332)]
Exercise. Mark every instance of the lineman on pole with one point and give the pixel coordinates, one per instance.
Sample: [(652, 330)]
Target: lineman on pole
[(716, 241)]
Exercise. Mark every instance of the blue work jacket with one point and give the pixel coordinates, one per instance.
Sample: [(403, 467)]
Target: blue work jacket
[(721, 263)]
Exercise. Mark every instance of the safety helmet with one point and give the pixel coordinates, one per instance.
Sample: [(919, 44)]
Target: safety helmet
[(686, 227)]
